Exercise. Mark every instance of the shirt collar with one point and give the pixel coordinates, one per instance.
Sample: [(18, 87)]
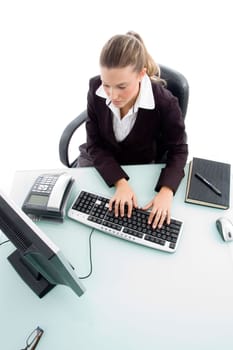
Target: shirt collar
[(144, 100)]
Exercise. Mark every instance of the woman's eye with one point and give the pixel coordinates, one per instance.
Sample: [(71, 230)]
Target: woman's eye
[(118, 87)]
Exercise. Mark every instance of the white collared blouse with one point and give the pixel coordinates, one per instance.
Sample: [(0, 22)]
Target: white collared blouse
[(145, 99)]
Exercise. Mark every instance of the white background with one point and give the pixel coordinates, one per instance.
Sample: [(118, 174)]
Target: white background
[(50, 49)]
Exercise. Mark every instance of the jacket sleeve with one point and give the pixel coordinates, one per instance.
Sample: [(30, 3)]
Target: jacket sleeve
[(173, 140), (103, 160)]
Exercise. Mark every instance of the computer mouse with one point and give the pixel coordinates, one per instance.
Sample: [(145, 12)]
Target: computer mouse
[(225, 228)]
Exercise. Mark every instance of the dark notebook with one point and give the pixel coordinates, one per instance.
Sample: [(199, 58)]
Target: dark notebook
[(205, 191)]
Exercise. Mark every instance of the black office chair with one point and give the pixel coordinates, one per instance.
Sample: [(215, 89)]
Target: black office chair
[(176, 83)]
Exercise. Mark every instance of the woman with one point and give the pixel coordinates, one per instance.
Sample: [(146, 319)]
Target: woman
[(132, 117)]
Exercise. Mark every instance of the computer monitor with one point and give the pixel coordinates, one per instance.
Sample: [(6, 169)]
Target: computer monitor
[(37, 259)]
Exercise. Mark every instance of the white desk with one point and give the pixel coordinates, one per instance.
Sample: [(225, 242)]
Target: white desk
[(136, 298)]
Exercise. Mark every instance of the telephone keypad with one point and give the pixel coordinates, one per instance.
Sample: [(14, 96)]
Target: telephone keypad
[(44, 184)]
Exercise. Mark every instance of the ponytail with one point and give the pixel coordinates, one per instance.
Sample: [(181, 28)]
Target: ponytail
[(152, 68)]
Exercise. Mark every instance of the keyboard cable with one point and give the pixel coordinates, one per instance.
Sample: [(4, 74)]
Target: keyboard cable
[(90, 256)]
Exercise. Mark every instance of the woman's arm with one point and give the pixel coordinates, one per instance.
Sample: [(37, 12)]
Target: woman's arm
[(173, 140), (100, 135)]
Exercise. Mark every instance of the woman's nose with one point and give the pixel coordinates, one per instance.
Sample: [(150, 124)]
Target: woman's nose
[(113, 94)]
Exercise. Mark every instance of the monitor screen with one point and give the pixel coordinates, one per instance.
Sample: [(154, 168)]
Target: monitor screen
[(37, 259)]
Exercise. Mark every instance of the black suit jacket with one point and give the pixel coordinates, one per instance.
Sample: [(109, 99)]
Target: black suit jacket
[(154, 132)]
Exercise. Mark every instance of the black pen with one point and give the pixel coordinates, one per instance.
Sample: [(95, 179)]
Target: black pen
[(209, 184)]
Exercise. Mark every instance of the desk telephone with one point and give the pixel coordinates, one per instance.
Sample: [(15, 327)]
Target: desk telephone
[(48, 196)]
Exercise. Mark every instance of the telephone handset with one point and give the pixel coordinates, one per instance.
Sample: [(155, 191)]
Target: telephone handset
[(48, 196)]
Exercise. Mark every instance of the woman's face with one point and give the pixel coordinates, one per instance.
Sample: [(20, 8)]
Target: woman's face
[(121, 85)]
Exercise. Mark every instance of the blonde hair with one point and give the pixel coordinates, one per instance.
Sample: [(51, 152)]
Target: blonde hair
[(129, 49)]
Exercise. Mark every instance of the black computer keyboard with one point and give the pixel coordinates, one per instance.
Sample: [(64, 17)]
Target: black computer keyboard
[(92, 210)]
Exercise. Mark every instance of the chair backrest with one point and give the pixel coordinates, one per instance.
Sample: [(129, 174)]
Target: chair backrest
[(178, 85)]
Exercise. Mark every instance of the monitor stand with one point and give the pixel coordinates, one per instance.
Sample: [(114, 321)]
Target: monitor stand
[(31, 277)]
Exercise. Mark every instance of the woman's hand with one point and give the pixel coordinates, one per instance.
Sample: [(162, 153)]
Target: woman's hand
[(160, 207), (123, 196)]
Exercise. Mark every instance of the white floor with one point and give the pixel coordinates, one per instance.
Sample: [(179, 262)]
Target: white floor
[(49, 50)]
